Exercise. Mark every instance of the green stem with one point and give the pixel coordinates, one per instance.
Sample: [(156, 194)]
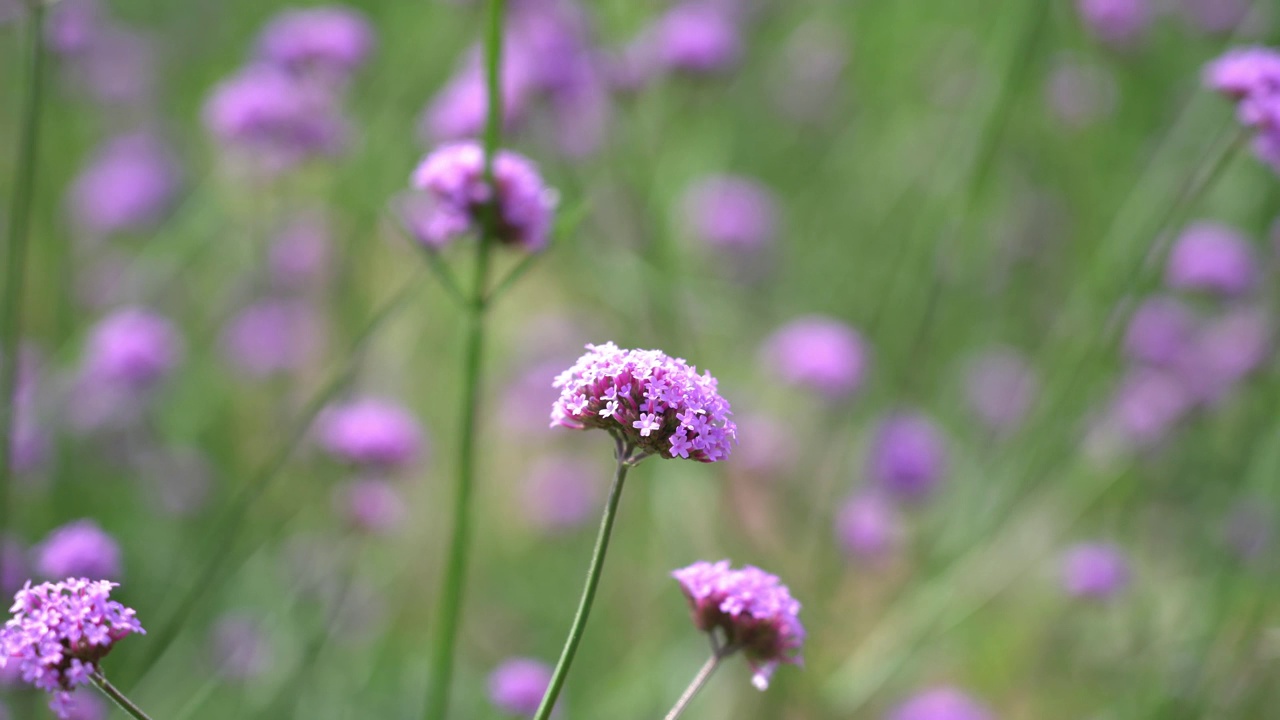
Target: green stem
[(118, 697), (24, 180), (699, 680), (589, 591), (455, 573)]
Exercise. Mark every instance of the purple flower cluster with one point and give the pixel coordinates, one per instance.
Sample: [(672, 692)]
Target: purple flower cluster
[(453, 196), (374, 433), (653, 402), (61, 631), (127, 186), (753, 610), (132, 348), (1250, 76), (330, 40)]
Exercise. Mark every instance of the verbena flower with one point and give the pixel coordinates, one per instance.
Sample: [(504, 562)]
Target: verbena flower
[(61, 631), (370, 432), (79, 548), (128, 185), (454, 197), (941, 703), (1212, 257), (1225, 351), (731, 212), (1116, 21), (1148, 404), (1096, 571), (908, 456), (1251, 77), (73, 25), (272, 336), (132, 348), (697, 36), (1160, 331), (818, 352), (753, 611), (330, 39), (517, 685), (655, 403), (868, 526)]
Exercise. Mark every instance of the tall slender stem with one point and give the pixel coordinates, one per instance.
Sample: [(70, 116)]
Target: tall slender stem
[(589, 591), (24, 180), (118, 697), (699, 680), (455, 573)]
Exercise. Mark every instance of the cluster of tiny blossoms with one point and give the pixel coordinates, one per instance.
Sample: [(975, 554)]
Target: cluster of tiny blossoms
[(1251, 77), (656, 403), (753, 609), (59, 632)]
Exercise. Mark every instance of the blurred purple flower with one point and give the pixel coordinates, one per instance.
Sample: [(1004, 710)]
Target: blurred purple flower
[(72, 25), (818, 352), (1212, 257), (908, 456), (1001, 388), (1080, 93), (654, 402), (1097, 571), (459, 110), (371, 432), (1160, 331), (128, 186), (753, 610), (868, 526), (517, 685), (559, 493), (772, 449), (1116, 21), (84, 705), (117, 67), (941, 703), (1244, 71), (371, 505), (272, 336), (1147, 405), (731, 212), (809, 79), (133, 348), (273, 118), (29, 443), (1216, 16), (1226, 350), (452, 195), (240, 648), (331, 40), (300, 252), (61, 631), (697, 36), (79, 548)]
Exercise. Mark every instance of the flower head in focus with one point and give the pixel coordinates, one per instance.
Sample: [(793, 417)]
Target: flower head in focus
[(753, 611), (453, 197), (648, 400), (518, 684), (60, 632), (370, 432)]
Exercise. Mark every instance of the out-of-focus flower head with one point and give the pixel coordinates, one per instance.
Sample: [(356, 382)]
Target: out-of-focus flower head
[(459, 110), (300, 251), (1224, 352), (371, 432), (272, 336), (1216, 16), (1160, 331), (773, 447), (127, 186), (1080, 93), (78, 548), (72, 25), (753, 611), (653, 402), (1097, 571), (60, 632), (1148, 404), (133, 348), (517, 685), (370, 505), (908, 456), (83, 705), (29, 443), (817, 352), (118, 67), (273, 118), (731, 212), (1251, 77), (240, 647), (941, 703), (1116, 21), (1212, 257), (697, 36), (453, 196), (559, 493), (1001, 387), (868, 526), (330, 40)]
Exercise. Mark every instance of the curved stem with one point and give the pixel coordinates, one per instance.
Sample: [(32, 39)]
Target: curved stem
[(454, 581), (118, 697), (699, 680), (589, 591), (24, 179)]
